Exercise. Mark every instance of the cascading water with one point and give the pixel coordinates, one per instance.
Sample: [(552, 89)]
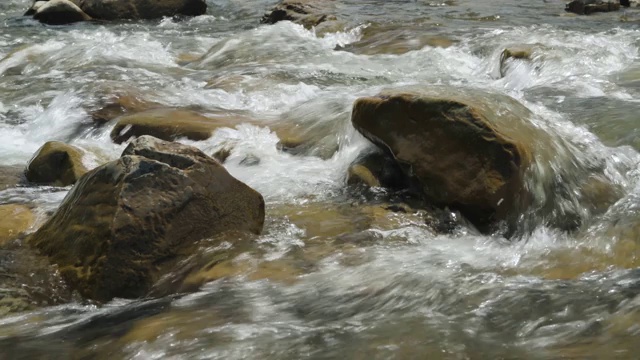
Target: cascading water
[(402, 291)]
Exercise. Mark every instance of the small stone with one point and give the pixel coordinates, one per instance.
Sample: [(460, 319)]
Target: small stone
[(56, 163)]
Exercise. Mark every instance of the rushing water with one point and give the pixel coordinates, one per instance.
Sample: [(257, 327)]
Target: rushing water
[(404, 292)]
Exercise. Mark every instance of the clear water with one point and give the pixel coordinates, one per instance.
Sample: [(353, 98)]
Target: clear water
[(408, 294)]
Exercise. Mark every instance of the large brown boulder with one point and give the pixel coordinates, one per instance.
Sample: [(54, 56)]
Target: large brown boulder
[(472, 151), (124, 224), (59, 12), (308, 13), (56, 163)]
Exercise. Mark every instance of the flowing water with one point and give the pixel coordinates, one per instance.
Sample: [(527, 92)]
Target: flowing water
[(405, 291)]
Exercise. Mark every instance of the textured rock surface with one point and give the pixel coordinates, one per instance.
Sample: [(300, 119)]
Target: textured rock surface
[(462, 154), (124, 223)]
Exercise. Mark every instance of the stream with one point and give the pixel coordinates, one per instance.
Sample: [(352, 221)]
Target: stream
[(400, 290)]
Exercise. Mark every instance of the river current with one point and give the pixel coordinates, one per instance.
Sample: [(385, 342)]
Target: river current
[(410, 292)]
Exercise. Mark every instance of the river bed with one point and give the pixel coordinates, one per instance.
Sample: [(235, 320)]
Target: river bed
[(408, 292)]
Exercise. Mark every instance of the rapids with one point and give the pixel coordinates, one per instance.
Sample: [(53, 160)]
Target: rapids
[(403, 293)]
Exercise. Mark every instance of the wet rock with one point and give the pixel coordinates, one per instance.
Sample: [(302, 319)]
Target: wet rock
[(14, 220), (119, 105), (328, 220), (58, 12), (36, 5), (377, 170), (223, 154), (361, 175), (11, 176), (125, 223), (388, 39), (463, 154), (523, 52), (169, 124), (27, 280), (308, 13), (56, 163), (250, 160), (310, 129), (586, 7), (142, 9)]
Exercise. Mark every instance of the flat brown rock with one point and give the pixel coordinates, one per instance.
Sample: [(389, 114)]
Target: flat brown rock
[(170, 124)]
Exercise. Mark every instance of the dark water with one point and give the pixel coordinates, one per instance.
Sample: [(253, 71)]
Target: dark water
[(406, 294)]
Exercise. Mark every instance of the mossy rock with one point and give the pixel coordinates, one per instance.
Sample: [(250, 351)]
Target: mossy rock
[(56, 163), (125, 223)]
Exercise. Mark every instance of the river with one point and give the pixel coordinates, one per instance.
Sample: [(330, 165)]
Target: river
[(408, 293)]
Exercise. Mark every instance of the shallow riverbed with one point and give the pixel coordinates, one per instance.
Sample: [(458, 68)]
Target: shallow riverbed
[(406, 292)]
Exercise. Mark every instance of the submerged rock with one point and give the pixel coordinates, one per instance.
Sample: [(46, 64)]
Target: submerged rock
[(119, 105), (56, 163), (11, 176), (586, 7), (395, 39), (125, 223), (521, 52), (170, 124), (472, 151), (66, 11), (58, 12), (377, 170), (308, 13), (14, 220)]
